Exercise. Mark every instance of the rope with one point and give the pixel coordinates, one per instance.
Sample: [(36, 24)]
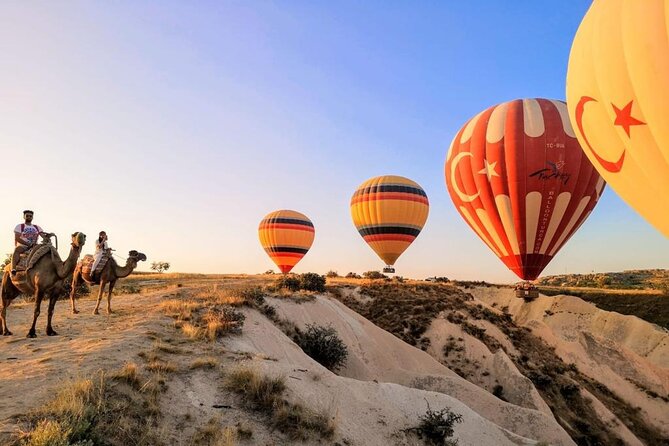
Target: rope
[(122, 258)]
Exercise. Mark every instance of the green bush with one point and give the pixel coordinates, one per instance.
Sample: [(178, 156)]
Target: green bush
[(291, 283), (312, 282), (306, 281), (353, 275), (322, 344), (331, 274), (436, 427)]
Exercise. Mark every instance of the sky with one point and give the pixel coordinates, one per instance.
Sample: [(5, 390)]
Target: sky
[(176, 126)]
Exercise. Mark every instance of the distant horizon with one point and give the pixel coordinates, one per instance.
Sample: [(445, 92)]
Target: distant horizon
[(176, 127)]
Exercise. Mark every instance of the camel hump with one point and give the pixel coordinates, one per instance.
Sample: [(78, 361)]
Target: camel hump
[(37, 253)]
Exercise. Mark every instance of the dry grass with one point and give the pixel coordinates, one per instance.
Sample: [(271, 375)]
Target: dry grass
[(160, 366), (129, 374), (208, 362), (161, 346), (181, 310), (265, 394), (192, 332), (94, 410), (209, 315), (213, 434)]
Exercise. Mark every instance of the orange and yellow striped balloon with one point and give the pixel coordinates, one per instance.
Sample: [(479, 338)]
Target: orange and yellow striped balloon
[(389, 212), (286, 236)]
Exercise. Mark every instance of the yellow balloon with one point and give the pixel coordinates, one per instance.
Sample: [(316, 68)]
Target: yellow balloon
[(389, 212), (618, 100)]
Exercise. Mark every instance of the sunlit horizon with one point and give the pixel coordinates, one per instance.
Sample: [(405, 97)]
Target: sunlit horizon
[(176, 127)]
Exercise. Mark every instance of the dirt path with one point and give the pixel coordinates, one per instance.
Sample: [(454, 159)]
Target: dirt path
[(30, 369)]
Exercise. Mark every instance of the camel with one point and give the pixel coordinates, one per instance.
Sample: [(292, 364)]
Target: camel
[(109, 275), (44, 278)]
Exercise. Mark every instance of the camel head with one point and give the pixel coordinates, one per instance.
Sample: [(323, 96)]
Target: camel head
[(135, 257), (78, 239)]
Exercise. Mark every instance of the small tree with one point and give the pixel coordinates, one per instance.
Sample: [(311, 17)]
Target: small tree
[(331, 274), (160, 266), (352, 275)]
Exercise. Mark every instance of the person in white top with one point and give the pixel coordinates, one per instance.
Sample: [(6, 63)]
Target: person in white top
[(100, 248), (25, 237)]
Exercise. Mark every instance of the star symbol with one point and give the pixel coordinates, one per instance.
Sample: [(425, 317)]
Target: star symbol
[(625, 119), (489, 169)]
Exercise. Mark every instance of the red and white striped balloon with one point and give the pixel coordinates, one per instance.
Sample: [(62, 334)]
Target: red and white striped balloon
[(519, 178)]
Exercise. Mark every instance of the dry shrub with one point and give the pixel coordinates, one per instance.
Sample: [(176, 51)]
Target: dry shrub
[(223, 321), (265, 394)]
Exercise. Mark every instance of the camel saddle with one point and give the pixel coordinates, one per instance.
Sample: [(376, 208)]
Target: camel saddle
[(29, 258), (87, 266)]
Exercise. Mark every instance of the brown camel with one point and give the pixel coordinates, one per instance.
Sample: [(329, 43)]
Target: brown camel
[(109, 275), (44, 278)]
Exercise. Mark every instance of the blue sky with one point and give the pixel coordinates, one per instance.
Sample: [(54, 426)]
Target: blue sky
[(176, 126)]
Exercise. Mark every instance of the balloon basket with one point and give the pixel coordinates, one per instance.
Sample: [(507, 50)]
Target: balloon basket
[(526, 291), (389, 269)]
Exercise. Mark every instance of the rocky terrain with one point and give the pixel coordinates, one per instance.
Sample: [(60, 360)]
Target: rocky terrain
[(217, 360)]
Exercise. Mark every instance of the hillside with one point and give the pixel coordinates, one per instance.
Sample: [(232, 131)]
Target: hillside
[(213, 360), (642, 293), (641, 279)]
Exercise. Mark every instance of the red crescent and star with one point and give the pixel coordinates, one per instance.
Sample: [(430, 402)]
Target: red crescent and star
[(624, 119)]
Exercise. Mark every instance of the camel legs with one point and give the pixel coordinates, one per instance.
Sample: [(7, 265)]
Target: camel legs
[(75, 282), (102, 290), (53, 298), (38, 304), (4, 303), (111, 287)]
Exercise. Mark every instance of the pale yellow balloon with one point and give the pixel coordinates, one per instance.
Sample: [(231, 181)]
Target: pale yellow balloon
[(618, 100)]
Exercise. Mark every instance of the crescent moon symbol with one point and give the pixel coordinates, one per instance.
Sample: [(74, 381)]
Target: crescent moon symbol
[(454, 165), (609, 166)]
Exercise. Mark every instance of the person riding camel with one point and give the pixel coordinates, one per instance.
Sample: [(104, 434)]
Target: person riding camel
[(101, 248), (25, 237)]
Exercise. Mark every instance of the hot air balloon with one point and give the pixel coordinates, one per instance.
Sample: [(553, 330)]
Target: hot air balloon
[(619, 101), (389, 212), (286, 236), (519, 178)]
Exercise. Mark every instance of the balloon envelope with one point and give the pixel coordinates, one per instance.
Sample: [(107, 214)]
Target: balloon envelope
[(286, 236), (520, 180), (618, 97), (389, 212)]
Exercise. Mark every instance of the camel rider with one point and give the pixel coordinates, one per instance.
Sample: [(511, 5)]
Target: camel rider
[(25, 236), (100, 249)]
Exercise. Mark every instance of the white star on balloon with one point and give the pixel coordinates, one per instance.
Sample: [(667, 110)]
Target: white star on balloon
[(489, 169)]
